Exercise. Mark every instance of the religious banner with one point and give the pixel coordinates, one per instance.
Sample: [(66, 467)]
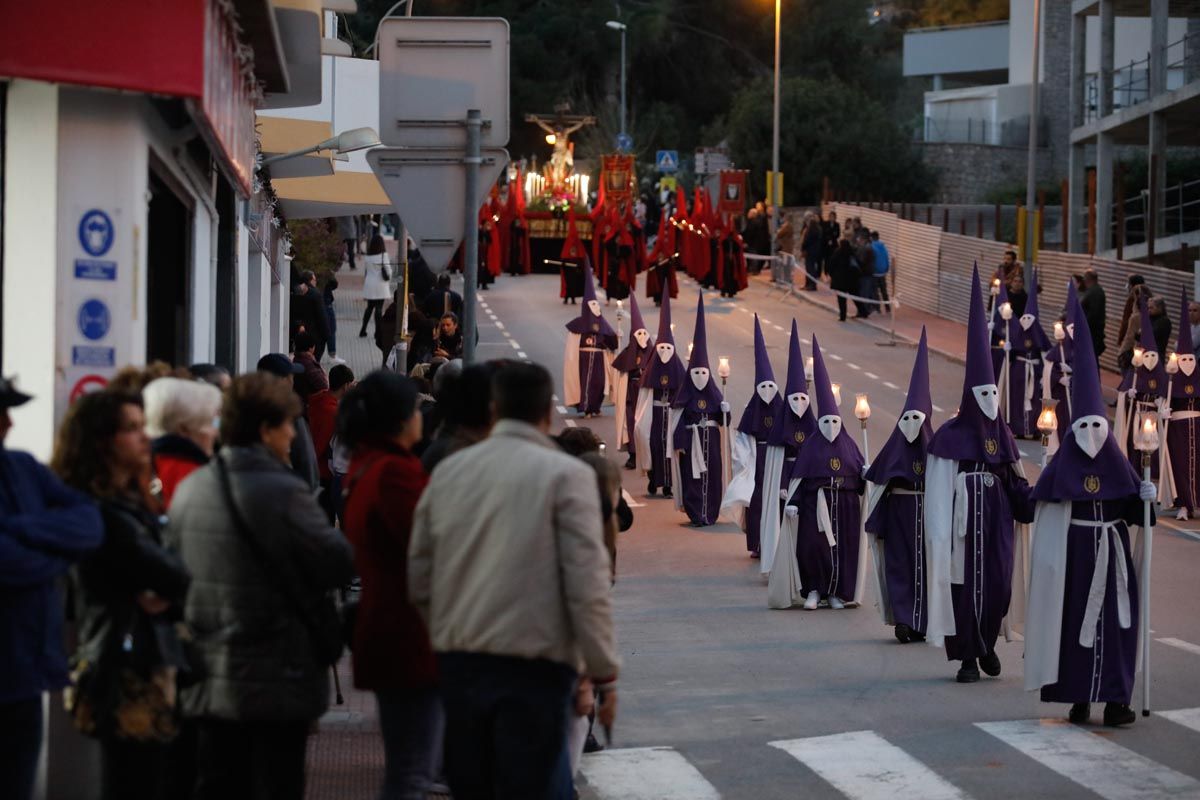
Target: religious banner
[(732, 199), (618, 179)]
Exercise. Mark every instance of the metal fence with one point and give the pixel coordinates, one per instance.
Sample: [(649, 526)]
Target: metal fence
[(1131, 82), (971, 130)]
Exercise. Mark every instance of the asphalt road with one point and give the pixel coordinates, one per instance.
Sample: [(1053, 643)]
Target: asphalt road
[(723, 697)]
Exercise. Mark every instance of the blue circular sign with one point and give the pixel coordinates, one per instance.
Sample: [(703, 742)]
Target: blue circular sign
[(624, 142), (95, 232), (94, 319)]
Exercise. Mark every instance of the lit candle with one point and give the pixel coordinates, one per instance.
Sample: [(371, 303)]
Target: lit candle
[(808, 368), (862, 409), (1172, 364), (1047, 422), (1059, 333), (995, 286), (1138, 352), (689, 349), (837, 393), (1006, 311), (1149, 433), (723, 367)]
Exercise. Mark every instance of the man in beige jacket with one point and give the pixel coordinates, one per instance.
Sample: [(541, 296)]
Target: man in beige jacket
[(507, 565)]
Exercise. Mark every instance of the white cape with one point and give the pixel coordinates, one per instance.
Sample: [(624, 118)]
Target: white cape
[(740, 492), (620, 393), (572, 391), (643, 421), (874, 494)]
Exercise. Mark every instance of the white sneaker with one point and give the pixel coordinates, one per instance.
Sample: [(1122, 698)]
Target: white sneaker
[(336, 360), (836, 602), (810, 603), (1183, 514)]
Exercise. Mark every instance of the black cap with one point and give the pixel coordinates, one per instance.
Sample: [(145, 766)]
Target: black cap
[(9, 396), (280, 365)]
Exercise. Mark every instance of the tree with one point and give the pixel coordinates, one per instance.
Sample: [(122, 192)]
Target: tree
[(826, 129)]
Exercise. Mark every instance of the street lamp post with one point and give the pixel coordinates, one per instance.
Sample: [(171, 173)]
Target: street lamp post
[(776, 183), (1031, 166), (621, 26)]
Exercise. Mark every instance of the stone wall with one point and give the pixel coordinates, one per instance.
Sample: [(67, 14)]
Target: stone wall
[(967, 172), (1055, 100)]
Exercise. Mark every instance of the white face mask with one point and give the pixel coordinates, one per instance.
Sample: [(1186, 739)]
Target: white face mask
[(1187, 364), (666, 351), (798, 402), (1026, 321), (910, 424), (988, 398), (700, 377), (594, 305), (1071, 330), (830, 426), (641, 336), (1090, 433), (1150, 360), (767, 391)]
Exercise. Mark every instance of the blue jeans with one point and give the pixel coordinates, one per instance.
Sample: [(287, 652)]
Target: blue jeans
[(506, 726), (331, 315), (413, 724)]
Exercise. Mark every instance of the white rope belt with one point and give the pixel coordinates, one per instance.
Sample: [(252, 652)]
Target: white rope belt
[(907, 492), (1029, 379), (1184, 415), (662, 403), (1095, 601), (590, 350), (699, 462)]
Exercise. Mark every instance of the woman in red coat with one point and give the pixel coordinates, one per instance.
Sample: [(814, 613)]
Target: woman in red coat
[(181, 422), (379, 421)]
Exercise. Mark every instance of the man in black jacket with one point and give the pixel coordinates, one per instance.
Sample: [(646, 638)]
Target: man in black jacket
[(1093, 301), (308, 312)]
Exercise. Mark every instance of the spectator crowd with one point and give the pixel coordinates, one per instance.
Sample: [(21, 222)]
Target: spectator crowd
[(213, 543)]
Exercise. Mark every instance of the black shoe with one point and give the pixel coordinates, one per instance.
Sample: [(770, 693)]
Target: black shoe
[(1116, 714), (916, 636), (1080, 713), (362, 334), (968, 672), (591, 745), (990, 664), (903, 633), (755, 554), (631, 462), (667, 494)]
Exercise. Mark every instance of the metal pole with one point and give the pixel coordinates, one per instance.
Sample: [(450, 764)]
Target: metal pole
[(1147, 545), (623, 30), (775, 182), (471, 233), (1031, 174)]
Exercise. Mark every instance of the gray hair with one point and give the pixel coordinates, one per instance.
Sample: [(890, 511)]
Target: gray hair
[(174, 405)]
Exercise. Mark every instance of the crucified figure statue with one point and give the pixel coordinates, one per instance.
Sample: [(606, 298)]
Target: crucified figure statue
[(559, 129)]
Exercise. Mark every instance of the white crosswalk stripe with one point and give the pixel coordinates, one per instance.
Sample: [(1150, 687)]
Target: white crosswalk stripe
[(1180, 644), (1187, 717), (1102, 766), (862, 764), (645, 773)]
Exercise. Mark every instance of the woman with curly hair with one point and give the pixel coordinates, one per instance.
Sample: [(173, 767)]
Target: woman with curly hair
[(127, 593)]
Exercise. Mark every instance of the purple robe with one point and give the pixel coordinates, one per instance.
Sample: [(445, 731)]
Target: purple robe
[(830, 569), (996, 498), (1024, 369), (1102, 673), (898, 520), (1054, 358), (633, 360), (701, 498), (1183, 442), (592, 371), (757, 422)]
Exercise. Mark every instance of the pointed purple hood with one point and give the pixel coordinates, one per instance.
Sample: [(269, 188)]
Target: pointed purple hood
[(587, 322), (708, 399), (970, 435), (820, 458), (1149, 381), (759, 418), (899, 458), (666, 377), (792, 431), (1072, 474), (634, 356), (1032, 342), (1183, 386)]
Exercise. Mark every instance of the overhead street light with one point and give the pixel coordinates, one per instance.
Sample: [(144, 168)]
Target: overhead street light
[(345, 142)]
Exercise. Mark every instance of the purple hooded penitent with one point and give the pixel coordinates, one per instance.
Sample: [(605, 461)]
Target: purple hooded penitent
[(666, 377), (900, 458), (1032, 340), (634, 357), (1149, 381), (972, 435), (1072, 474), (790, 430), (820, 458), (587, 322), (759, 417), (707, 400), (1183, 386)]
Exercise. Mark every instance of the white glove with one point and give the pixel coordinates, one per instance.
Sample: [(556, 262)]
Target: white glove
[(864, 470), (724, 407), (1164, 412), (1131, 393), (792, 512), (1065, 380), (783, 494), (1147, 491), (1066, 368)]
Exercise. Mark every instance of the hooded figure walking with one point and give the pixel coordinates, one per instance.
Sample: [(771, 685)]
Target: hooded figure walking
[(751, 498), (1179, 471), (1027, 343), (661, 381), (896, 509), (587, 359), (698, 435), (628, 367), (825, 509), (1057, 365), (975, 492), (1081, 633), (1144, 388)]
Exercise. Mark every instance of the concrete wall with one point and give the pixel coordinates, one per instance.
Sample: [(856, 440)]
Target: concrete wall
[(990, 167), (961, 48)]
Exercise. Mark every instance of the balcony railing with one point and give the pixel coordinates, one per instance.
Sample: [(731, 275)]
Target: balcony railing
[(1009, 133), (1131, 83), (1180, 213)]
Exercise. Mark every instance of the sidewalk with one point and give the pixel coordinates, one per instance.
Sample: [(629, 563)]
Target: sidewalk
[(946, 338)]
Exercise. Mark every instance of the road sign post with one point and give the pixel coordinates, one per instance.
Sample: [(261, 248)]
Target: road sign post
[(471, 234)]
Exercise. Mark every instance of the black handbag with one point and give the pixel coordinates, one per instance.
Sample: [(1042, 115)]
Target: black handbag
[(384, 272), (320, 619)]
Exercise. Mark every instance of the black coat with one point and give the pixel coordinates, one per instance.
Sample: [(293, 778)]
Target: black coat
[(308, 309), (843, 269)]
